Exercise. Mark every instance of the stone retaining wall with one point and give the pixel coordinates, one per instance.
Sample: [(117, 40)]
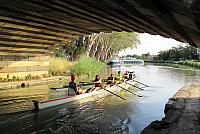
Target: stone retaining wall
[(22, 66)]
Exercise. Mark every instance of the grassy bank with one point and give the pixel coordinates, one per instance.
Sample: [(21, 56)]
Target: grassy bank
[(59, 66), (189, 63), (87, 66)]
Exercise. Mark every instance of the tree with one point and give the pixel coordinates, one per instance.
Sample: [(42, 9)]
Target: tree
[(101, 46), (178, 53)]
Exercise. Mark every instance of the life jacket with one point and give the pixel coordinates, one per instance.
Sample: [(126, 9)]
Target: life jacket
[(72, 88), (72, 85)]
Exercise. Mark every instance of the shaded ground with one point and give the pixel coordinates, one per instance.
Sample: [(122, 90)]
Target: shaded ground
[(182, 114)]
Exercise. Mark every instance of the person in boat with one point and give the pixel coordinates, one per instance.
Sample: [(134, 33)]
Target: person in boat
[(126, 75), (119, 77), (111, 80), (97, 84), (73, 89), (131, 75)]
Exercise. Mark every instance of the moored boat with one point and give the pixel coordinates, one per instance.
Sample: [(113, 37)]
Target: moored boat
[(114, 61), (82, 97)]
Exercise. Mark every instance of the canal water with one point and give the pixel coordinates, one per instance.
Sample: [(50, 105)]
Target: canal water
[(109, 115)]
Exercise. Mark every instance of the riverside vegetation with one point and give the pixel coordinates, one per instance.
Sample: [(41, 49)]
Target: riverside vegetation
[(189, 63), (87, 54), (100, 46), (183, 55), (87, 66), (59, 66), (83, 66)]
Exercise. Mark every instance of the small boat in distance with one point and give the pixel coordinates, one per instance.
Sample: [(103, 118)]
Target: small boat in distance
[(115, 61), (130, 60), (83, 97)]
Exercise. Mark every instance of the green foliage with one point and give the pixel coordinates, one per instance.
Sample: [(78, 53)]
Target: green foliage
[(101, 46), (143, 56), (87, 66), (60, 52), (122, 40), (190, 63), (178, 54)]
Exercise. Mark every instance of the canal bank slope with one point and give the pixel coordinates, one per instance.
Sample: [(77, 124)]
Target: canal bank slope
[(182, 114)]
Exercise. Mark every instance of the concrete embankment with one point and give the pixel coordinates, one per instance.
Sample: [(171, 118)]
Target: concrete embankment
[(18, 84), (182, 114)]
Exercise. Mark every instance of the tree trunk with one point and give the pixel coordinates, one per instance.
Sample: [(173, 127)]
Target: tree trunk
[(92, 39), (98, 51), (93, 50)]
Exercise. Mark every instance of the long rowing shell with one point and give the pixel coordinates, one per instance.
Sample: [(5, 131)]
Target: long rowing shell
[(92, 95)]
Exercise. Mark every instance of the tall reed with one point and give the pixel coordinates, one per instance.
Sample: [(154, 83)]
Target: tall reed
[(87, 66), (59, 66)]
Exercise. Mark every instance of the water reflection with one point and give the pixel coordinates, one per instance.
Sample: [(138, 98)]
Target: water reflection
[(103, 116)]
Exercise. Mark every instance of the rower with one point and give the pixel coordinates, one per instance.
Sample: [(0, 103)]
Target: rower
[(111, 80), (126, 75), (131, 75), (97, 84), (73, 89), (119, 77)]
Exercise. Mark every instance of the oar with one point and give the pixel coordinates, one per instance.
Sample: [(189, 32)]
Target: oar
[(129, 91), (85, 82), (141, 83), (134, 85), (55, 88), (114, 94)]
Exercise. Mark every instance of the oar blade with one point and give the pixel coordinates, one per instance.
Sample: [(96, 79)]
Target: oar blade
[(114, 94)]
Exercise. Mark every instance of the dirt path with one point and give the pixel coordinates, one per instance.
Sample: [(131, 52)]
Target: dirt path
[(182, 114)]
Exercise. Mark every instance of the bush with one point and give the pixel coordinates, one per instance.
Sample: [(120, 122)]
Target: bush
[(190, 63), (58, 66), (87, 66)]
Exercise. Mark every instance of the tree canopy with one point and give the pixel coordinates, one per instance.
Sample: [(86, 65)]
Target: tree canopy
[(179, 53), (100, 46)]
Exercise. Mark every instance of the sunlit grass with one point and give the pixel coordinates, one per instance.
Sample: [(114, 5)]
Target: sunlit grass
[(59, 66)]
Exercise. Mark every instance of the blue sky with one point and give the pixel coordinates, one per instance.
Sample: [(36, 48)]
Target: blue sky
[(152, 44)]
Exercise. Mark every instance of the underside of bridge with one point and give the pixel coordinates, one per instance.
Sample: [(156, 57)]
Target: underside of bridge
[(33, 27)]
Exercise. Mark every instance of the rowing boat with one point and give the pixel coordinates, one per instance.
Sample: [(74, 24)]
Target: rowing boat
[(87, 96)]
